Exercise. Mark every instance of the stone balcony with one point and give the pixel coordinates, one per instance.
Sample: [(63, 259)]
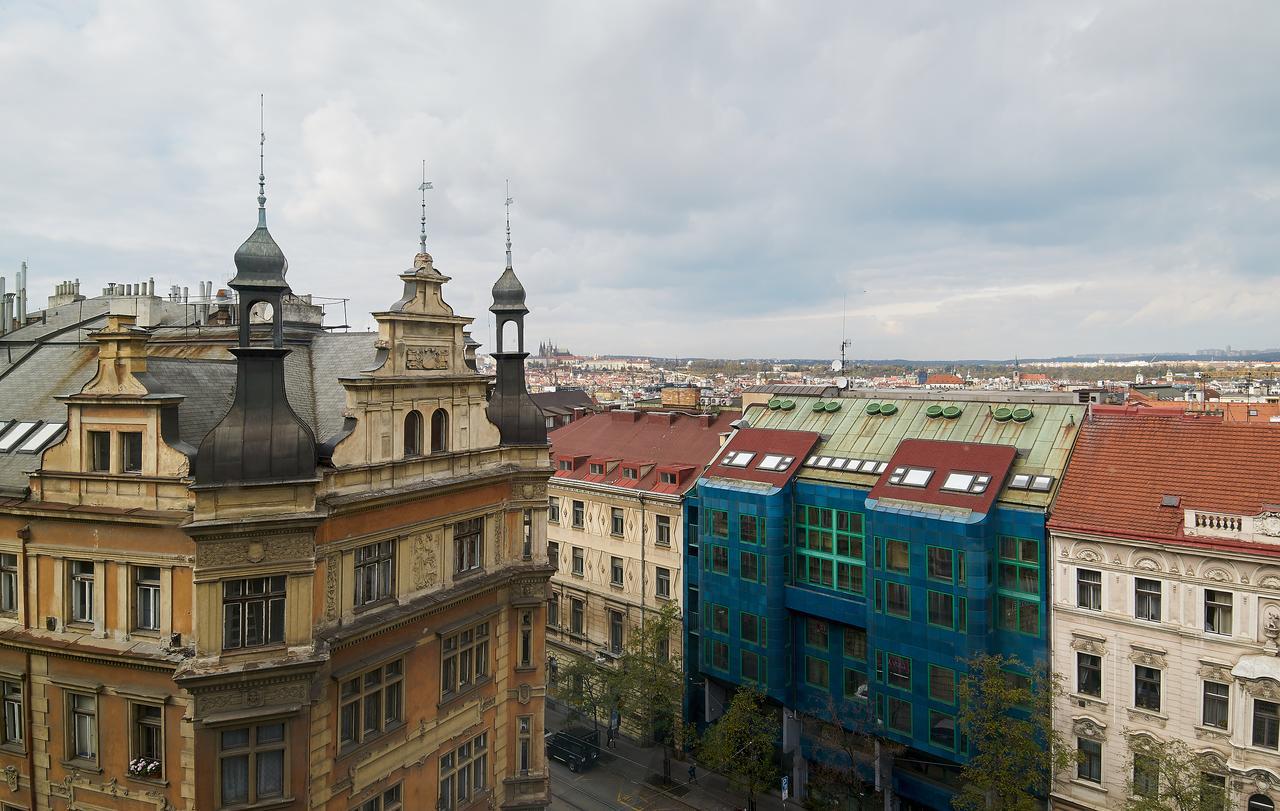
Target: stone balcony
[(1261, 528)]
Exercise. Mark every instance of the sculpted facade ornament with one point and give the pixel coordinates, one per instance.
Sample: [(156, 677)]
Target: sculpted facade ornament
[(1207, 734), (232, 553), (1266, 689), (1094, 646), (1210, 671), (426, 357), (1148, 658), (1086, 727), (1218, 575), (1268, 524), (11, 777), (1270, 582), (331, 566), (1147, 564), (267, 694), (1088, 555), (426, 568)]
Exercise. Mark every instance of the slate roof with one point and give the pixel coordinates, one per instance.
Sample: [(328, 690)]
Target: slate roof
[(661, 439), (563, 401), (1043, 442), (1128, 459)]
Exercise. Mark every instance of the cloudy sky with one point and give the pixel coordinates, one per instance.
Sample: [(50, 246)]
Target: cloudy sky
[(712, 178)]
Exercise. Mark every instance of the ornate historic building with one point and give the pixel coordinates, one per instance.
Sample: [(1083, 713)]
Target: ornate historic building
[(1166, 604), (249, 563)]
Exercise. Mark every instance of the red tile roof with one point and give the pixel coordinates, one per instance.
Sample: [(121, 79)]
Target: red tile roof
[(652, 442), (943, 380), (765, 442), (1128, 458), (1254, 413), (942, 458), (1035, 377)]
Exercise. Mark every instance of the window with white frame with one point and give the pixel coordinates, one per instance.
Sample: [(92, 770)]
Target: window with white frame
[(253, 612), (662, 530), (553, 509), (1146, 688), (375, 572), (616, 522), (615, 570), (146, 742), (526, 639), (1217, 611), (8, 583), (146, 598), (390, 799), (1217, 704), (15, 718), (1147, 596), (1089, 589), (524, 733), (1266, 724), (468, 545), (82, 585), (82, 727), (662, 583)]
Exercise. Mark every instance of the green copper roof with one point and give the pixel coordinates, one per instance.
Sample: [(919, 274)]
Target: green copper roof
[(1044, 440)]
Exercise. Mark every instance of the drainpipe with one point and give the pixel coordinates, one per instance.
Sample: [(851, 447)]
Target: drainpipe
[(24, 535)]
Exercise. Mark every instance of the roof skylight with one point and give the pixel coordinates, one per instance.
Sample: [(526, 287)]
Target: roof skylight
[(1041, 483), (15, 435), (1037, 482), (958, 482), (42, 437), (773, 461), (1020, 481), (911, 476), (737, 458)]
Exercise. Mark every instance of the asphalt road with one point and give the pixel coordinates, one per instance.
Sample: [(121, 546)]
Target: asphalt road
[(614, 783)]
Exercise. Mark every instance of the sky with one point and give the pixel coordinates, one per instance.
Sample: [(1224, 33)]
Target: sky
[(717, 179)]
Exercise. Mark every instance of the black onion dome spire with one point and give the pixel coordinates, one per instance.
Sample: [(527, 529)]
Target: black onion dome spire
[(259, 261)]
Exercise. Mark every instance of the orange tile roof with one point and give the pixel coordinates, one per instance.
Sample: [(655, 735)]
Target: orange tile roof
[(1128, 458), (943, 380), (1256, 413)]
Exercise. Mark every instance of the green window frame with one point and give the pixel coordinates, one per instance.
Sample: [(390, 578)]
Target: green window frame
[(854, 680), (718, 618), (942, 684), (749, 529), (817, 634), (855, 643), (752, 628), (817, 672), (941, 610), (1018, 585), (898, 671), (945, 565), (751, 567), (716, 655), (897, 599), (715, 558), (899, 719), (942, 730), (718, 523), (749, 667), (829, 548), (897, 556)]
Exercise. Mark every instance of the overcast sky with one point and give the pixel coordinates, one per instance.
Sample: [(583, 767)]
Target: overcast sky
[(691, 178)]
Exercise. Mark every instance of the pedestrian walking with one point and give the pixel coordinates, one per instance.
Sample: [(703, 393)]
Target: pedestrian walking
[(608, 741), (693, 773)]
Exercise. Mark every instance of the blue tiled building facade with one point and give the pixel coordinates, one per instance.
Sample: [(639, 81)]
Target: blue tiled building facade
[(846, 598)]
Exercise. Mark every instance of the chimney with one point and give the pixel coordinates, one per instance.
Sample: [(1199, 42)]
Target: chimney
[(4, 318), (21, 289), (151, 286)]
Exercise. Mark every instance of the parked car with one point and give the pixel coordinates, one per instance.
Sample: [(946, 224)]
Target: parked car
[(576, 747)]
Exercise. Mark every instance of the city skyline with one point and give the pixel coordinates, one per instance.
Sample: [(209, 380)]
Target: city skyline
[(992, 183)]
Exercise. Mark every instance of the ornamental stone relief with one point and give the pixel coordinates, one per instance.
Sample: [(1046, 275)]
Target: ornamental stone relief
[(1266, 689), (1270, 582), (1093, 646), (231, 553), (1207, 734), (426, 567), (1086, 727), (1147, 658), (422, 358), (331, 566), (1147, 564), (1268, 524), (267, 694), (1218, 575), (1218, 673), (1088, 555)]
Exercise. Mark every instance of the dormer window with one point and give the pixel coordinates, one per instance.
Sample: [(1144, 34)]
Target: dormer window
[(131, 451), (667, 478), (566, 464), (597, 468), (960, 482), (630, 473), (100, 451), (737, 458)]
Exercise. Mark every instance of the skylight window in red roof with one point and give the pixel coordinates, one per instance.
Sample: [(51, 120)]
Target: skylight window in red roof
[(1037, 482), (737, 458), (776, 462), (960, 482), (910, 476)]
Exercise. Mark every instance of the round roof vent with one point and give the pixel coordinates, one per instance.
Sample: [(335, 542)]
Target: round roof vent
[(873, 408), (888, 409), (1002, 414), (818, 405), (834, 405), (1022, 414), (952, 411), (775, 404), (787, 405), (933, 411)]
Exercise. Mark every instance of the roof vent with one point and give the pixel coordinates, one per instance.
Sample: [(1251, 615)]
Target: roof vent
[(1170, 501)]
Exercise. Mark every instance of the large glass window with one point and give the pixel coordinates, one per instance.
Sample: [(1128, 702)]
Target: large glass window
[(899, 715), (899, 668), (386, 800), (1146, 599), (553, 509), (716, 558), (817, 634), (751, 628), (855, 643), (1089, 764), (371, 702), (942, 729), (464, 660), (1217, 704), (897, 598), (1088, 674), (749, 529), (131, 451), (100, 451), (468, 545), (464, 772), (1089, 589), (82, 735), (253, 612), (945, 565), (146, 742), (1018, 586), (1146, 776), (829, 549), (817, 672), (718, 526), (897, 556), (1217, 611), (749, 567), (615, 570), (251, 764), (941, 609), (942, 684)]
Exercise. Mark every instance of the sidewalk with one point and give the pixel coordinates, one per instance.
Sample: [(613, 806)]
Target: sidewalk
[(711, 792)]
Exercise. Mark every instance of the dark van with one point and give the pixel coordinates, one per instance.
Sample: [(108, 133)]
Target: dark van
[(576, 747)]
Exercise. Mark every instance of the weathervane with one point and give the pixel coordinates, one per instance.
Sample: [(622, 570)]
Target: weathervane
[(426, 184), (262, 170), (510, 200)]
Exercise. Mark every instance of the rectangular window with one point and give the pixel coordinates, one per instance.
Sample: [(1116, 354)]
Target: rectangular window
[(82, 712), (468, 545), (899, 715), (371, 702), (719, 525), (615, 631), (1146, 599), (662, 583), (251, 764), (719, 655), (579, 514), (942, 684), (1018, 586), (897, 599), (817, 634), (553, 509), (8, 583), (464, 660), (15, 720), (100, 451), (388, 800), (579, 565), (662, 534), (750, 666), (719, 618), (718, 560), (1089, 589), (1146, 688), (553, 554), (553, 611), (941, 564), (899, 668), (1146, 776), (464, 771), (616, 522), (1217, 611), (615, 570), (1217, 704), (596, 469), (942, 729), (146, 598), (131, 451), (748, 529), (82, 591), (524, 728), (816, 673), (941, 609), (855, 644), (1018, 614), (577, 615), (253, 612), (749, 627), (375, 572), (749, 567), (1088, 674), (146, 743), (1213, 792), (667, 477), (1266, 724), (526, 547), (630, 473), (855, 684), (1089, 762), (829, 549), (897, 556)]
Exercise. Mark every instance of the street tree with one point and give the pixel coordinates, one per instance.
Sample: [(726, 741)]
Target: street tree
[(741, 744), (847, 734), (650, 682), (1015, 753), (1171, 776), (588, 688)]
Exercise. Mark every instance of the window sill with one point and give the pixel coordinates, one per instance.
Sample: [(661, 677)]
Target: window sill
[(666, 598), (264, 805), (615, 586), (578, 575), (1085, 699), (82, 765), (454, 698), (374, 605), (617, 535), (347, 749), (576, 526), (239, 652), (458, 577), (13, 748), (148, 781), (1203, 731), (526, 669), (1149, 716), (1089, 784)]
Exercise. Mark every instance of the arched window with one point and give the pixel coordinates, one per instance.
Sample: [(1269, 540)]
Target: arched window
[(439, 431), (1261, 802), (413, 434)]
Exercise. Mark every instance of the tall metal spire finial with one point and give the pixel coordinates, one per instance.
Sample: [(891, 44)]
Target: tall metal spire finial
[(262, 170), (510, 200), (426, 184)]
